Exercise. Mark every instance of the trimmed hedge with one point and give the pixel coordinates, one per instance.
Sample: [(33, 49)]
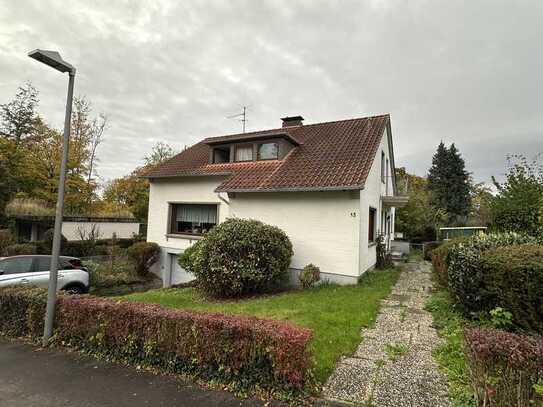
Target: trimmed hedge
[(238, 257), (513, 279), (244, 351), (22, 311), (439, 260), (464, 275), (73, 248), (504, 367), (20, 249)]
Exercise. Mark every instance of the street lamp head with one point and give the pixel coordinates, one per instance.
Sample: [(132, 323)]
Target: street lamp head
[(53, 59)]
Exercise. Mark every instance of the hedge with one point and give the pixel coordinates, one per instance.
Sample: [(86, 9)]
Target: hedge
[(242, 350), (18, 249), (439, 260), (22, 311), (464, 276), (505, 367), (74, 248), (513, 280)]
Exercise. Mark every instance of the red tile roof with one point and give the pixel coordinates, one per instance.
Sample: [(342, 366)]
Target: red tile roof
[(329, 156)]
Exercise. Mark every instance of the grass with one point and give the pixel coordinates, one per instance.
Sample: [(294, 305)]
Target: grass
[(334, 313), (450, 355), (395, 351)]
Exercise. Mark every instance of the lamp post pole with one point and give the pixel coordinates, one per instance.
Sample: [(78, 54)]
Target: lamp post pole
[(54, 60), (55, 253)]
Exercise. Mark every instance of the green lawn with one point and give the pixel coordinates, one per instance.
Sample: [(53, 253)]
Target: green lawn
[(334, 313), (450, 353)]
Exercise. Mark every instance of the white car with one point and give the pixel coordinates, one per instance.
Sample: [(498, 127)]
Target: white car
[(34, 270)]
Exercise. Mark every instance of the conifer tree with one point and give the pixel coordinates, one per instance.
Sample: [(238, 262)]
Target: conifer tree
[(449, 183)]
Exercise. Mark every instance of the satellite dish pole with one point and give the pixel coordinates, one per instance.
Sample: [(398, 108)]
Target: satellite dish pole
[(242, 115)]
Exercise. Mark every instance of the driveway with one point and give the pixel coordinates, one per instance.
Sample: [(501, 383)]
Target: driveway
[(33, 377)]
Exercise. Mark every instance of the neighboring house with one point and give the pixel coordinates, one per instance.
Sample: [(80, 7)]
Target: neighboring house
[(31, 228), (329, 186)]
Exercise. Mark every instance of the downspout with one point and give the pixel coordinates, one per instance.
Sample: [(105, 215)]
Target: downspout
[(227, 202)]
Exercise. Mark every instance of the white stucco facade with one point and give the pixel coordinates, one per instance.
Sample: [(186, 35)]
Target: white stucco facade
[(105, 230), (326, 228), (322, 226)]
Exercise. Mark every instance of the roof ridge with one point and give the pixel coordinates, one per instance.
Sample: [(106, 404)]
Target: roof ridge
[(285, 129), (348, 120)]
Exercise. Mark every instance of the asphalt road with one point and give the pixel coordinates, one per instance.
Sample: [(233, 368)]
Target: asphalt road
[(52, 378)]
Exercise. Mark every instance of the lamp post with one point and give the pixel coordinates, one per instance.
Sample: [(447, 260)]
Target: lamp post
[(54, 60)]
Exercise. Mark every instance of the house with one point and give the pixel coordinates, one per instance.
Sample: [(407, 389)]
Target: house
[(31, 228), (330, 186)]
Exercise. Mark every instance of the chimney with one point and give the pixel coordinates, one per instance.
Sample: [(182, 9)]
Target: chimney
[(292, 121)]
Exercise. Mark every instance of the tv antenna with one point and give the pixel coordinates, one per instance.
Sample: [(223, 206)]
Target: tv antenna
[(242, 116)]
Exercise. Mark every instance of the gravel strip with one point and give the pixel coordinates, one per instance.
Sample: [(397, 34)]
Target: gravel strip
[(393, 366)]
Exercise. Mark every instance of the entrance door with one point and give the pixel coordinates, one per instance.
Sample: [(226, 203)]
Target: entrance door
[(178, 275)]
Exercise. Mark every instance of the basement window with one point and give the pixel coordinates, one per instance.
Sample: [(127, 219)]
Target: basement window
[(193, 219)]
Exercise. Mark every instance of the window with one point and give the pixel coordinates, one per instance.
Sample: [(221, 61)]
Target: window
[(268, 151), (44, 263), (16, 266), (194, 219), (371, 225), (386, 176), (221, 155), (244, 153), (383, 166)]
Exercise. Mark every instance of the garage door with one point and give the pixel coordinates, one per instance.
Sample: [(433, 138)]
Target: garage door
[(178, 274)]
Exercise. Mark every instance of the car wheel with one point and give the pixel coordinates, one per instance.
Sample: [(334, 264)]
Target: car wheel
[(74, 290)]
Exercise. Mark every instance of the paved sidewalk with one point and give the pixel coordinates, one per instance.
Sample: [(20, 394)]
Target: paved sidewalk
[(393, 366), (51, 378)]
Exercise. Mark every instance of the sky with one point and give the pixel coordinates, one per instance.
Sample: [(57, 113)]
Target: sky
[(468, 72)]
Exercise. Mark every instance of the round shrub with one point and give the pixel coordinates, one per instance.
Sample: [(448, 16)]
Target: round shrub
[(465, 278), (513, 278), (144, 255), (309, 276), (237, 257)]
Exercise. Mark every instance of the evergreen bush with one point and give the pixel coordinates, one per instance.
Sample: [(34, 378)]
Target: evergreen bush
[(239, 257)]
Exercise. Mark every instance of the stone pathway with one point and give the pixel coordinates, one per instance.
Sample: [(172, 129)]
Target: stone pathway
[(393, 366)]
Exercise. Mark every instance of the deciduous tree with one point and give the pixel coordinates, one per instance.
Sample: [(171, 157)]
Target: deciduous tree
[(518, 206)]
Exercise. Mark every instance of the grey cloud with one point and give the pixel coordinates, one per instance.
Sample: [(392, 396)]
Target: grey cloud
[(467, 72)]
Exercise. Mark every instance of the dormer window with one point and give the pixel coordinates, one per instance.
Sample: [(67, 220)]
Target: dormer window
[(221, 155), (244, 153), (268, 151)]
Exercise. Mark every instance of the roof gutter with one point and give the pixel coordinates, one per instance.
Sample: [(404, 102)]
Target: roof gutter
[(297, 189)]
